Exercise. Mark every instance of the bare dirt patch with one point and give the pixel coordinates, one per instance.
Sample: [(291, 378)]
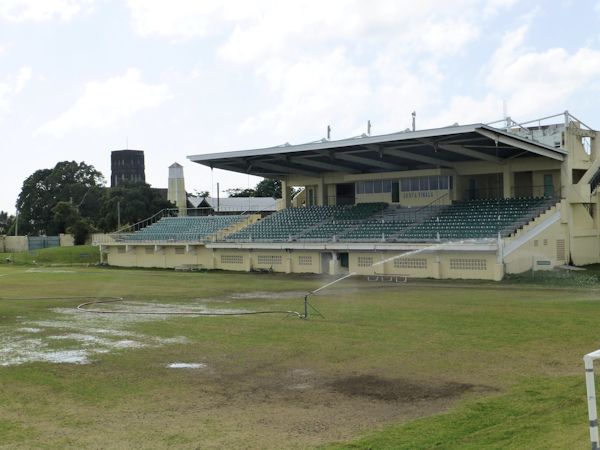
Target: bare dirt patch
[(402, 390)]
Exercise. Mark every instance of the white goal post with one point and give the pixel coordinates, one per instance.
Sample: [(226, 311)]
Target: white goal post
[(588, 361)]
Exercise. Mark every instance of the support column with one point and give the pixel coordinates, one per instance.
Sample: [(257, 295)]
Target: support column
[(285, 194), (508, 181), (320, 193)]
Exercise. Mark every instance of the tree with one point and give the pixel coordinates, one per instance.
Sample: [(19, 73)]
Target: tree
[(6, 222), (80, 230), (268, 188), (238, 192), (79, 184), (131, 203), (65, 216), (203, 194), (265, 188)]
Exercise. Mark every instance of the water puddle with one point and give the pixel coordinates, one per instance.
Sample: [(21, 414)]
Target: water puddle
[(182, 365)]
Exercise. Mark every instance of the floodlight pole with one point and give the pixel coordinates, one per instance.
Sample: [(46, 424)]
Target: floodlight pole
[(588, 361)]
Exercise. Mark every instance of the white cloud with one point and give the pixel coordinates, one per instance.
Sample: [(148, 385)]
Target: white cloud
[(12, 86), (22, 79), (176, 18), (540, 81), (39, 10), (106, 103), (531, 82)]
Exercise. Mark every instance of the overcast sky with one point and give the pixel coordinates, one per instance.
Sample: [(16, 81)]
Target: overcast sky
[(175, 78)]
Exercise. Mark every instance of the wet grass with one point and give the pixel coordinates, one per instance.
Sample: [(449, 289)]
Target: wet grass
[(76, 255), (518, 346)]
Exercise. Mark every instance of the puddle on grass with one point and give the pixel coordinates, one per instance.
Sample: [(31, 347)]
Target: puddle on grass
[(29, 330), (49, 271), (83, 336), (268, 295), (181, 365), (300, 386)]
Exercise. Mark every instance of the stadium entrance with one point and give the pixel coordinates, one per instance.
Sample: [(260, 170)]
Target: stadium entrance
[(344, 194)]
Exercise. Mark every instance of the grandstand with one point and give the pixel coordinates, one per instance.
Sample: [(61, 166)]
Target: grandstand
[(470, 201)]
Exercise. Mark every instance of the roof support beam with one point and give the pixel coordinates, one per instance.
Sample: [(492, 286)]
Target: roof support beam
[(380, 164), (281, 169), (459, 149), (322, 165), (419, 158), (530, 147)]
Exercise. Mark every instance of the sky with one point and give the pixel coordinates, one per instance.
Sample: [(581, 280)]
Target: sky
[(80, 78)]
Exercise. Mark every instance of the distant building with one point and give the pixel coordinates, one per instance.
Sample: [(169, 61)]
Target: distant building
[(233, 205), (127, 166), (176, 191)]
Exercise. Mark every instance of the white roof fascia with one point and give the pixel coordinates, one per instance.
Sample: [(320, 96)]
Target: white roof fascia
[(326, 145)]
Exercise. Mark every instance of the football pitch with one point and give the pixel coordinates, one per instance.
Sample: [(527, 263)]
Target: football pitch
[(422, 364)]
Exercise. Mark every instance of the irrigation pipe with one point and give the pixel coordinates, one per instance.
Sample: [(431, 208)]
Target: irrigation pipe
[(103, 300)]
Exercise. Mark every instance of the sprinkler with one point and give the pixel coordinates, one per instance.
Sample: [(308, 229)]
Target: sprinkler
[(308, 306), (435, 247)]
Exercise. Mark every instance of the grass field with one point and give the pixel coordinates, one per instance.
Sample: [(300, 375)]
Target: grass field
[(418, 365)]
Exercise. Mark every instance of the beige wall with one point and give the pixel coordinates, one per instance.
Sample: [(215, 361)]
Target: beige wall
[(462, 265), (66, 240), (13, 244), (438, 265)]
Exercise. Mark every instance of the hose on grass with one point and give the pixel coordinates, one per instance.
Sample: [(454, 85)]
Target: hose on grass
[(92, 301)]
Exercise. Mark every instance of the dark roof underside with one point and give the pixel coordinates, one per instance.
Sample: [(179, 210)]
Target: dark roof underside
[(395, 152)]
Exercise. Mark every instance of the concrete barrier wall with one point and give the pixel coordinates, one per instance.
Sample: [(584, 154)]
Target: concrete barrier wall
[(14, 244), (66, 240)]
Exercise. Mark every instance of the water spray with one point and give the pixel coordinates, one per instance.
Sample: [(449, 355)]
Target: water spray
[(435, 247)]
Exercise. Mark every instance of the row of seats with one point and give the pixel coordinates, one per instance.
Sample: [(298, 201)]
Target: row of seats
[(313, 222), (184, 228), (482, 218), (479, 218)]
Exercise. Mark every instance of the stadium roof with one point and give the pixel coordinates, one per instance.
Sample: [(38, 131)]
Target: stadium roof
[(410, 150)]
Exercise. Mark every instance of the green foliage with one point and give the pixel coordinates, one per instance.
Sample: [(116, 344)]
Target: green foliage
[(6, 222), (77, 183), (65, 216), (131, 203), (265, 188), (81, 230)]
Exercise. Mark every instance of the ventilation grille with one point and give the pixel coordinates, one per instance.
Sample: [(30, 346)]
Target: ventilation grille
[(269, 259), (468, 264), (410, 263), (232, 259), (365, 261), (560, 250), (305, 260)]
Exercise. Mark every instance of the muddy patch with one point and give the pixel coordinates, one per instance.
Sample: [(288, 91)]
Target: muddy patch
[(393, 389)]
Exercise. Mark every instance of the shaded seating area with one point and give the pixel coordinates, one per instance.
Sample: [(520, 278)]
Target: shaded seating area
[(183, 228), (376, 230), (310, 223), (483, 218)]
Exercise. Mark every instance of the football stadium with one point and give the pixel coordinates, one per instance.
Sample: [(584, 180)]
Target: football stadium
[(474, 201)]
